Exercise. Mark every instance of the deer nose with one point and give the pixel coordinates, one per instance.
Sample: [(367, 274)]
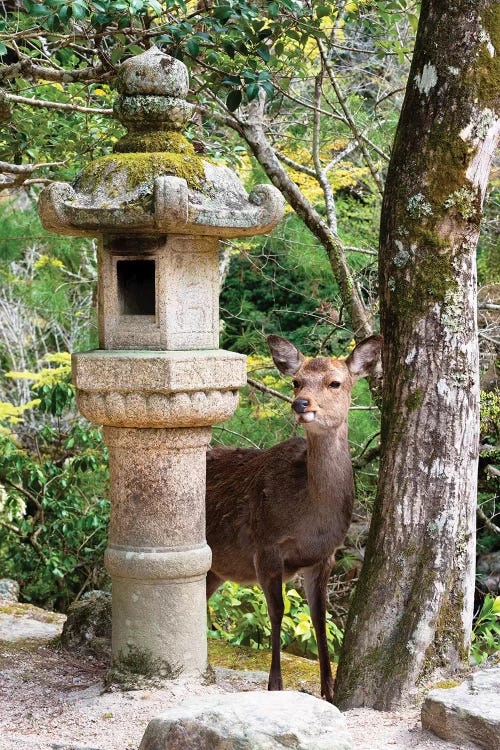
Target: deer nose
[(300, 405)]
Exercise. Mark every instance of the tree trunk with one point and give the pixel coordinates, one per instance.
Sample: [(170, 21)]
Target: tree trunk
[(412, 611)]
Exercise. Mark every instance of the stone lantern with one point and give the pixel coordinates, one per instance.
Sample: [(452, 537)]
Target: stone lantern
[(158, 381)]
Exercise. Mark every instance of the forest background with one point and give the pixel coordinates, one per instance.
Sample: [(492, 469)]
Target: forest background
[(307, 94)]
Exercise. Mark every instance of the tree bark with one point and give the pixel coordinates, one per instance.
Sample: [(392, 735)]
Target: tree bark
[(412, 611)]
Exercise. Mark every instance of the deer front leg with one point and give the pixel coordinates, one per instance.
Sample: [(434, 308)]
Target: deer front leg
[(315, 583), (270, 575)]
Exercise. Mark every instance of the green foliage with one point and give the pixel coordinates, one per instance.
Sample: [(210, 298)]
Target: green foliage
[(53, 498), (238, 615), (490, 417), (486, 631)]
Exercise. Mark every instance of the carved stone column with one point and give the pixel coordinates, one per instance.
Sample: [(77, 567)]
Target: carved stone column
[(159, 381)]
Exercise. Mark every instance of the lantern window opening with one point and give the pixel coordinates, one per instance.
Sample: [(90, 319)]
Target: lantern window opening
[(136, 287)]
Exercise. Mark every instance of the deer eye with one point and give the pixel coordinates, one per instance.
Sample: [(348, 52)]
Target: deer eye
[(335, 384), (295, 383)]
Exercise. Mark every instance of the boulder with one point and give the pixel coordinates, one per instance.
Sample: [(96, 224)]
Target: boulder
[(467, 713), (88, 624), (249, 721), (9, 590)]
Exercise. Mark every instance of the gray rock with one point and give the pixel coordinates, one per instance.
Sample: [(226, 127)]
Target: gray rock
[(469, 712), (19, 622), (88, 624), (249, 721), (9, 590)]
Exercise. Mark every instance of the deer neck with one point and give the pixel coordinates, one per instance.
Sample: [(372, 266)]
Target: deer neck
[(329, 467)]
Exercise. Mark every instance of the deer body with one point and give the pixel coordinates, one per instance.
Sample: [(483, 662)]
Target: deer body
[(276, 512)]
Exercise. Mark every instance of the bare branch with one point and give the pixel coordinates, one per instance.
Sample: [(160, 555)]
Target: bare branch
[(487, 522), (26, 168), (348, 116), (57, 105), (265, 389), (320, 172), (27, 68)]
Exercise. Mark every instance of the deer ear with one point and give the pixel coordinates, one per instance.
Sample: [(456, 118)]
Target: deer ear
[(365, 357), (287, 358)]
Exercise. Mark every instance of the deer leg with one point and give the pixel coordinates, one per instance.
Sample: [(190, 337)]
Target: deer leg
[(270, 576), (315, 583)]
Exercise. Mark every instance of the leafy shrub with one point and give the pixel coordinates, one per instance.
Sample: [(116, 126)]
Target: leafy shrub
[(486, 631), (239, 615), (53, 493)]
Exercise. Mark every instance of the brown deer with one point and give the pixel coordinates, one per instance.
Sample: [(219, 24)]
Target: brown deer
[(277, 512)]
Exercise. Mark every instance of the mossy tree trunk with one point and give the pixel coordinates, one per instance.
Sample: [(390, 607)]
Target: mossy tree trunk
[(412, 611)]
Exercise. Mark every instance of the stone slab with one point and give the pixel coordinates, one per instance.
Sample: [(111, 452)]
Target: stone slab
[(249, 721), (467, 713), (19, 622), (158, 371)]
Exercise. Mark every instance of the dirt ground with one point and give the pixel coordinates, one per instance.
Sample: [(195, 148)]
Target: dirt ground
[(53, 700)]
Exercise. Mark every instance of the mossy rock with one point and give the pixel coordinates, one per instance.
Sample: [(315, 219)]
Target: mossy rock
[(88, 624)]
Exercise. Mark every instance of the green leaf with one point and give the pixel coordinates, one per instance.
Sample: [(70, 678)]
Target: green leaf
[(79, 11), (39, 10), (264, 54), (3, 49), (302, 628), (223, 12), (193, 47), (252, 91), (322, 11), (233, 100), (273, 9)]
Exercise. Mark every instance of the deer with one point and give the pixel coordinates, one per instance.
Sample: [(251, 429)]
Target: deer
[(274, 513)]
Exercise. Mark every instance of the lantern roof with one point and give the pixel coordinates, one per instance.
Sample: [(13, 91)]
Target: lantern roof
[(154, 182)]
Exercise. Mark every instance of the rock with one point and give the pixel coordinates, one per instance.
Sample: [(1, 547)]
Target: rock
[(249, 721), (88, 624), (20, 622), (9, 590), (467, 713), (488, 566)]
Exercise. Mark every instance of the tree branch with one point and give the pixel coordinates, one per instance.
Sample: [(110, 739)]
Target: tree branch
[(57, 105), (320, 172)]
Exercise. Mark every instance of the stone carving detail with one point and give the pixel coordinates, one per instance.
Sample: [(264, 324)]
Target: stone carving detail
[(143, 409)]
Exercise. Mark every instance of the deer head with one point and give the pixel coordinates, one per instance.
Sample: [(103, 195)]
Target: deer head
[(323, 385)]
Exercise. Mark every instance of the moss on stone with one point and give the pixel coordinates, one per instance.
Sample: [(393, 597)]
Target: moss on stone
[(298, 673), (445, 685), (119, 173), (23, 609), (169, 141), (139, 669)]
